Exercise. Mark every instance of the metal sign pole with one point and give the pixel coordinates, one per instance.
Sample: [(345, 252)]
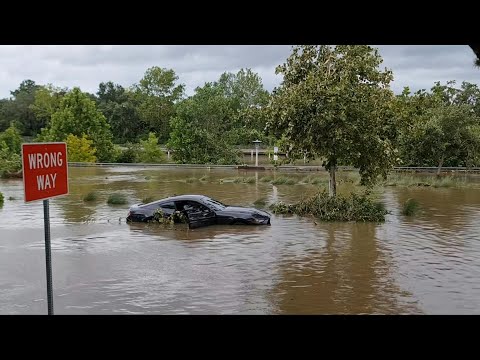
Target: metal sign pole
[(48, 255)]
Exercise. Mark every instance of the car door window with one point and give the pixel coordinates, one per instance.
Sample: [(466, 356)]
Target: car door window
[(167, 208), (194, 208)]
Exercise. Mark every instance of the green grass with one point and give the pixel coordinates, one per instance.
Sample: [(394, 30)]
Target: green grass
[(117, 199), (266, 179), (281, 180), (416, 181), (410, 207), (91, 196)]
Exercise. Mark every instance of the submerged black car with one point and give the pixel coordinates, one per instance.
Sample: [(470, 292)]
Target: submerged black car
[(198, 210)]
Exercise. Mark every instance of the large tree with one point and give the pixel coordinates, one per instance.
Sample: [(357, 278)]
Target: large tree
[(335, 103), (157, 93), (440, 127), (202, 128), (246, 96), (46, 103), (20, 110), (79, 116), (120, 108)]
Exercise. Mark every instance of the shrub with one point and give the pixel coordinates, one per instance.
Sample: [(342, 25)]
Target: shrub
[(129, 154), (80, 149), (410, 207), (116, 199), (151, 152), (337, 208), (91, 196)]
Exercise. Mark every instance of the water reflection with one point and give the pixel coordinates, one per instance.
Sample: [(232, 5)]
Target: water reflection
[(425, 264), (349, 275)]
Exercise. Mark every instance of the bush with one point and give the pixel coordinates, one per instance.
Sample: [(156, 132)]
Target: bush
[(130, 154), (1, 198), (117, 199), (410, 207), (80, 149), (151, 152), (10, 162), (91, 196), (337, 208), (12, 139)]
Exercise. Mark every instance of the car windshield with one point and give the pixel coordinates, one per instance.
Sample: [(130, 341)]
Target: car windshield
[(217, 205)]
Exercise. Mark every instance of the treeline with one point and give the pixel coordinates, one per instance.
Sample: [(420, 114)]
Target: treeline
[(207, 127), (339, 110)]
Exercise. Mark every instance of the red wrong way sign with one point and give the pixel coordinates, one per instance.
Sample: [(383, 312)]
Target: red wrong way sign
[(45, 170)]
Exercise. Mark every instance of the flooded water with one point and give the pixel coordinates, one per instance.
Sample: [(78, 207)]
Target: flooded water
[(429, 264)]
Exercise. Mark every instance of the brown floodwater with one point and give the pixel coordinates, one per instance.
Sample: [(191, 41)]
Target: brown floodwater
[(428, 264)]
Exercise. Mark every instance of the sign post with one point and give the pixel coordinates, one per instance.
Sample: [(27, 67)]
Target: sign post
[(45, 175), (275, 151)]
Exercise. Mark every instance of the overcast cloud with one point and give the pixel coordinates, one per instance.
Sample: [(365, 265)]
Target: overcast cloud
[(87, 65)]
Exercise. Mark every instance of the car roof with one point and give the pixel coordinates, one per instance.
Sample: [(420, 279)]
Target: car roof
[(180, 198)]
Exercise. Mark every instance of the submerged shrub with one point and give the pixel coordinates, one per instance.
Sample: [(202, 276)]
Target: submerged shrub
[(354, 207), (91, 196), (410, 207), (116, 199)]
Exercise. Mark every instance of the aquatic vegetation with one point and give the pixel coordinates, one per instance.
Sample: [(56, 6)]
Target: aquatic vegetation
[(353, 207), (117, 199)]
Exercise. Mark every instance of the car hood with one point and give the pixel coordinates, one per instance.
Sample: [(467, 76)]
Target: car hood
[(243, 210)]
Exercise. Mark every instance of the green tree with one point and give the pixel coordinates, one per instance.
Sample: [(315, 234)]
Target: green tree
[(157, 94), (450, 132), (120, 108), (78, 115), (246, 96), (20, 108), (438, 122), (46, 103), (80, 149), (335, 103), (151, 152), (202, 130), (12, 139), (10, 149)]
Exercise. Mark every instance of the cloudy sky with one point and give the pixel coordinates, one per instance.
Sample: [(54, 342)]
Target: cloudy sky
[(86, 66)]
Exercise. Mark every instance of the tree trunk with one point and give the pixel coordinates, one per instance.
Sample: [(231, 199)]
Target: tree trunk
[(440, 165), (332, 185)]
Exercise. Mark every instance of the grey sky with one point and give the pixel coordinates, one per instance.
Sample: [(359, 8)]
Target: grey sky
[(86, 66)]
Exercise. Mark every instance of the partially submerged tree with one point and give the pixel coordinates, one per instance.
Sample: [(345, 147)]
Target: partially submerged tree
[(335, 103)]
